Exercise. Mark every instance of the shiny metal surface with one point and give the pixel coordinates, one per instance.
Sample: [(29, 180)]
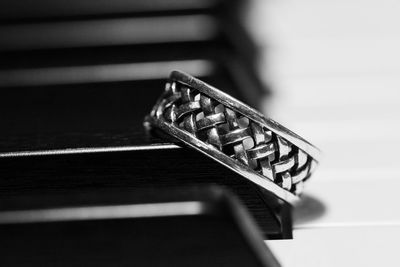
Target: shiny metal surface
[(234, 134)]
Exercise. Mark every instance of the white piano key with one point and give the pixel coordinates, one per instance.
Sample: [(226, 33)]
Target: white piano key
[(334, 67), (315, 38), (313, 91), (324, 19), (340, 113), (359, 130), (349, 201), (344, 246), (334, 57)]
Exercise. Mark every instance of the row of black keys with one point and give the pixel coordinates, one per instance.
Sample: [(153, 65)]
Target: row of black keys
[(86, 79)]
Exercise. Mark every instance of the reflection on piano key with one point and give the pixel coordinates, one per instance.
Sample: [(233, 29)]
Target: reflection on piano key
[(10, 9), (108, 32), (103, 212), (101, 73)]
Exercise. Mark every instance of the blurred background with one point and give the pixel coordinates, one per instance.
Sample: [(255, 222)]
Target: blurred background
[(328, 70), (334, 68)]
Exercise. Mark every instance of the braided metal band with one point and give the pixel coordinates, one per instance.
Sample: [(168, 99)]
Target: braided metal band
[(235, 135)]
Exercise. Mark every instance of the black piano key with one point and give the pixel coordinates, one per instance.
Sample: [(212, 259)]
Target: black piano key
[(81, 92), (107, 117), (98, 114), (156, 168), (152, 227), (28, 10)]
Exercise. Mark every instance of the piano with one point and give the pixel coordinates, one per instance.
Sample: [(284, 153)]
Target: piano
[(71, 71)]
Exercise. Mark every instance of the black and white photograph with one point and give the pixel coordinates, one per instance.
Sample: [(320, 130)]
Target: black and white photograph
[(157, 133)]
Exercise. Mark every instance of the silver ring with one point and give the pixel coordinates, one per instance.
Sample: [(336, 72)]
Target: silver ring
[(235, 135)]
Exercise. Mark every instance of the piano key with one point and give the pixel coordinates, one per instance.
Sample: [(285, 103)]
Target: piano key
[(119, 31), (11, 10), (340, 246), (97, 172), (350, 200), (328, 92), (101, 73), (307, 39), (147, 227)]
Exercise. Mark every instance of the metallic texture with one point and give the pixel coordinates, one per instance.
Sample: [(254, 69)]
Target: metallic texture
[(235, 135)]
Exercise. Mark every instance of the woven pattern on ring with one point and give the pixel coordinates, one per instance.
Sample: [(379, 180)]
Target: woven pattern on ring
[(237, 136)]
